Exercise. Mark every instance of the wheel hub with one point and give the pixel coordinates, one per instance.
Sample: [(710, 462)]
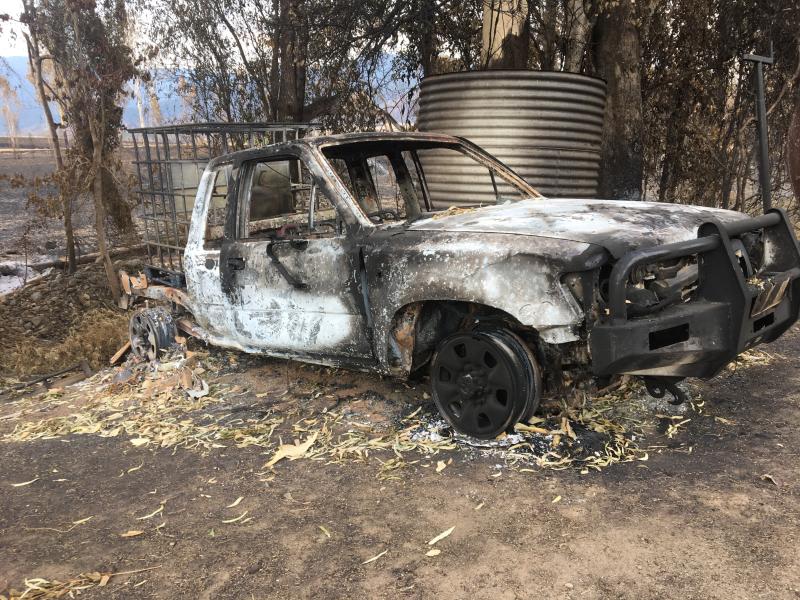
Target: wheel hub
[(472, 383), (151, 330)]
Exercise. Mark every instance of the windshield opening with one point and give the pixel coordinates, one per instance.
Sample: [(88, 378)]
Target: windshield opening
[(397, 181)]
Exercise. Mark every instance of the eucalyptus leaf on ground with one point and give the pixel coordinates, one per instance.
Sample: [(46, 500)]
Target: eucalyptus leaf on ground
[(239, 518), (441, 536), (374, 558), (131, 533)]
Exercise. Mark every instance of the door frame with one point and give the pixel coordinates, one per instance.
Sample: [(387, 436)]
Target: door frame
[(351, 233)]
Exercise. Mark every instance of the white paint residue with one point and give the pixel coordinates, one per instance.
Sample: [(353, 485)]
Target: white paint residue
[(584, 220)]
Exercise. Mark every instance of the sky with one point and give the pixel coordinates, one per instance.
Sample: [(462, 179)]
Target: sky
[(14, 66), (8, 45)]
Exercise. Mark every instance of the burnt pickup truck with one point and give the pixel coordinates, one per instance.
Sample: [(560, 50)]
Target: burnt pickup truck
[(341, 251)]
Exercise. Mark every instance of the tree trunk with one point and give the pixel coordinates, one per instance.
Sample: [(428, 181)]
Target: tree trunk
[(274, 69), (793, 147), (65, 188), (294, 42), (137, 91), (579, 28), (617, 58), (100, 220), (428, 49), (9, 117), (671, 163), (505, 34), (549, 34), (155, 106)]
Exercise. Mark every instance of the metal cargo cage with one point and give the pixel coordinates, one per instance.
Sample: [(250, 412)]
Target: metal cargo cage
[(169, 164)]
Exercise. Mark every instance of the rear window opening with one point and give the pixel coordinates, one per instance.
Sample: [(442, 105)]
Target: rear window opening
[(666, 337)]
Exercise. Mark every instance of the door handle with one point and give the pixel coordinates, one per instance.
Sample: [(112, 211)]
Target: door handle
[(236, 263)]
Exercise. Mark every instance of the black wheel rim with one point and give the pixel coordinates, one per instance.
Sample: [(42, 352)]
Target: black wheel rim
[(143, 338), (476, 384)]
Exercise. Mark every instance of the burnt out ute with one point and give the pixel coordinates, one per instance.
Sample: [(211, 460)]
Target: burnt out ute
[(341, 251)]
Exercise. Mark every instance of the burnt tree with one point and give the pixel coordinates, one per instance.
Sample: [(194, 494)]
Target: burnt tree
[(505, 34), (292, 50), (617, 59), (35, 64), (793, 147)]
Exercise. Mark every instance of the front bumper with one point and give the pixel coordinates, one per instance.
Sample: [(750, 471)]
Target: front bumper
[(725, 316)]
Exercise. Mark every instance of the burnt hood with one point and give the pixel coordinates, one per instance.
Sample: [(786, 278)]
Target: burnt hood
[(619, 226)]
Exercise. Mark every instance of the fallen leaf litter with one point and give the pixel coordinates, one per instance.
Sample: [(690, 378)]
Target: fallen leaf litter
[(169, 404), (38, 588)]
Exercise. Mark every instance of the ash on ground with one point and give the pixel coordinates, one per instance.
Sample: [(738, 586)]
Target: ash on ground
[(601, 431)]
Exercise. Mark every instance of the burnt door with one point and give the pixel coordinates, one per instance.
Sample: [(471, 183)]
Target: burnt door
[(290, 270)]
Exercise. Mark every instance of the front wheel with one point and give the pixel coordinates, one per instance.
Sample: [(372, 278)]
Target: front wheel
[(485, 381)]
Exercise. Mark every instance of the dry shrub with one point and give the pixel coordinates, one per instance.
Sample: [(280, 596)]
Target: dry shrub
[(96, 336)]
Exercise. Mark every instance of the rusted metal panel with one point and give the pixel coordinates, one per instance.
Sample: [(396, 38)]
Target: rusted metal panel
[(547, 126)]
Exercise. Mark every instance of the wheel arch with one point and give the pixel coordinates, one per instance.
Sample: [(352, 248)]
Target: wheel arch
[(416, 327)]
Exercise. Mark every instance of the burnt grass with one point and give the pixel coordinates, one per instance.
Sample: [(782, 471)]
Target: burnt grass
[(713, 513)]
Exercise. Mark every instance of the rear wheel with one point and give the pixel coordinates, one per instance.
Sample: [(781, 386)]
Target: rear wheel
[(152, 330), (484, 381)]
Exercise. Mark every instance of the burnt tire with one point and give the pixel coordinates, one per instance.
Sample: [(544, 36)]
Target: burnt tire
[(484, 381), (152, 330)]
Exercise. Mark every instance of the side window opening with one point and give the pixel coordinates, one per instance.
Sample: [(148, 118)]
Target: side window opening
[(413, 169), (277, 203), (387, 186), (215, 219), (340, 166), (324, 220), (401, 181)]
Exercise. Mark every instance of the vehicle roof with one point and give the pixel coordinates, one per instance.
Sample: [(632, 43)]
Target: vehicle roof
[(336, 140)]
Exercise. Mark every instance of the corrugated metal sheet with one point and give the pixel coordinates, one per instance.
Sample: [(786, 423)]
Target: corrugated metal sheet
[(547, 126)]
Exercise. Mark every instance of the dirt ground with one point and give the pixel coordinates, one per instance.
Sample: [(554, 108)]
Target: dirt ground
[(23, 234), (714, 511), (142, 483)]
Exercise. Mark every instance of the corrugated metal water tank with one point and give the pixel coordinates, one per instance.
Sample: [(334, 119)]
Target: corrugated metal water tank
[(547, 126)]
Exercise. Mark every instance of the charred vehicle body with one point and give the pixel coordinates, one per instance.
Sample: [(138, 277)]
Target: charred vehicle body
[(333, 250)]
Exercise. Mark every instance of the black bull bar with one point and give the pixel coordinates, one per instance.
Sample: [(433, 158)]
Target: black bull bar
[(725, 316)]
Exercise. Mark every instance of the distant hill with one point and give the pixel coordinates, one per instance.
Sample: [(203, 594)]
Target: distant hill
[(31, 119)]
